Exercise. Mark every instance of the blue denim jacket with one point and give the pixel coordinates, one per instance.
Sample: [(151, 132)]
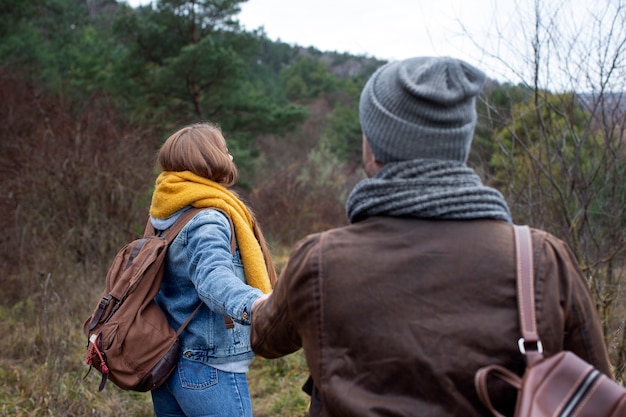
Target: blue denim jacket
[(201, 267)]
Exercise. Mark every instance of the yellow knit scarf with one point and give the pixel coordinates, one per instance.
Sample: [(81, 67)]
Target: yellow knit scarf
[(175, 190)]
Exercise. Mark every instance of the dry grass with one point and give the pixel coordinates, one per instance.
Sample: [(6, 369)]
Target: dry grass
[(275, 386)]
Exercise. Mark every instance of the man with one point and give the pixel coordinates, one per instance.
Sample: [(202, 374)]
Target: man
[(397, 311)]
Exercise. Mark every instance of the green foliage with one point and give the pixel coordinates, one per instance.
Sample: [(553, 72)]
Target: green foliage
[(536, 156), (34, 34), (175, 61), (306, 79), (343, 134), (18, 38), (264, 65), (275, 55), (502, 98), (187, 61), (495, 112)]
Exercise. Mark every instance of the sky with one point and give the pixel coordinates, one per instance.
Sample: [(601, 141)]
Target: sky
[(481, 32), (385, 29)]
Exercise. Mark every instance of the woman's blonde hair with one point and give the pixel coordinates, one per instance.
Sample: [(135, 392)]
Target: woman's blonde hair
[(201, 149)]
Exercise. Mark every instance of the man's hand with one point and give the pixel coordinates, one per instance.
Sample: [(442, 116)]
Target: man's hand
[(259, 300)]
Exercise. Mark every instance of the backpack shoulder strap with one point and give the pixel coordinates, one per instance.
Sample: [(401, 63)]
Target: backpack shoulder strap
[(529, 344), (170, 233)]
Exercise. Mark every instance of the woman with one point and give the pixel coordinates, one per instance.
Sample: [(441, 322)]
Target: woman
[(203, 270)]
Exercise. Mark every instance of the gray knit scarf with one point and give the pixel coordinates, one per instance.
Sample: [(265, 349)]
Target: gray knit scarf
[(426, 188)]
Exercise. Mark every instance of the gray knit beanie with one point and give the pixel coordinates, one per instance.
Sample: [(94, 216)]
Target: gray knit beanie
[(421, 108)]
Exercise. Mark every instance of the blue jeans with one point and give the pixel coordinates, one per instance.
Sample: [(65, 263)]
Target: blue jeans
[(196, 389)]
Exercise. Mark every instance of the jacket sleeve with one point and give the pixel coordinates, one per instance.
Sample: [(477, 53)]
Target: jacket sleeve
[(211, 269), (277, 321), (583, 333)]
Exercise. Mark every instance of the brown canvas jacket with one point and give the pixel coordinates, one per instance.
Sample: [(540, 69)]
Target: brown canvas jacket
[(396, 315)]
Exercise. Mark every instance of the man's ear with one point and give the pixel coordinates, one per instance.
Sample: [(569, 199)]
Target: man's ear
[(371, 164)]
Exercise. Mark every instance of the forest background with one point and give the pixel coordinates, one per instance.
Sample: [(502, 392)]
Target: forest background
[(90, 89)]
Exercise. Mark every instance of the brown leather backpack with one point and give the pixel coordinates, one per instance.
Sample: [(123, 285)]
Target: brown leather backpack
[(562, 385), (130, 340)]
